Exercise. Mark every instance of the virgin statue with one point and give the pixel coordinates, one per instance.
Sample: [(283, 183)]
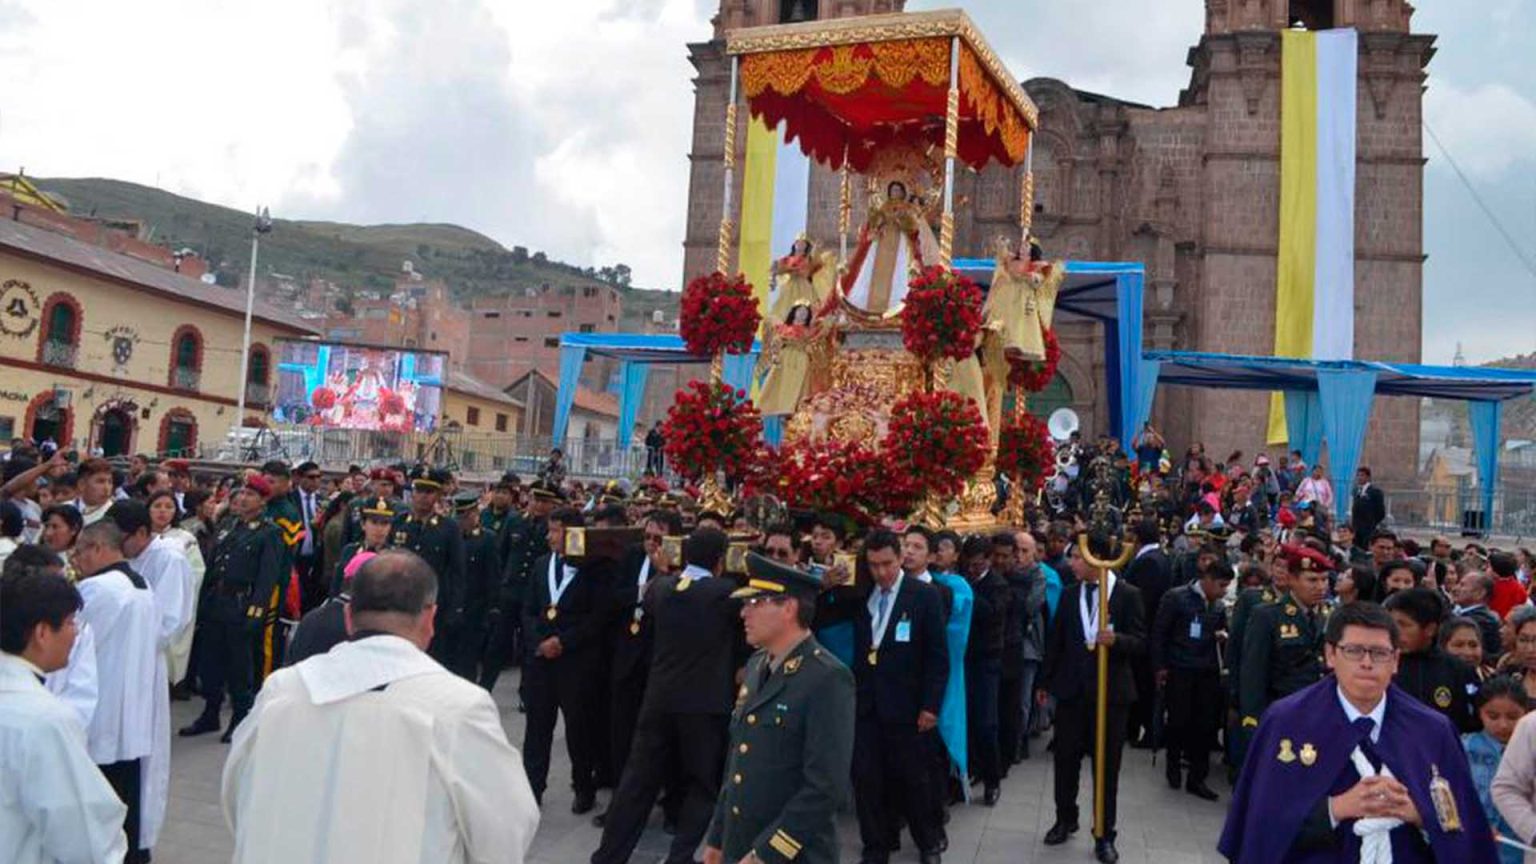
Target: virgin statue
[(895, 239), (788, 358), (1022, 301)]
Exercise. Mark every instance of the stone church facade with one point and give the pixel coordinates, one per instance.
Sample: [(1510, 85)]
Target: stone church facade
[(1190, 191)]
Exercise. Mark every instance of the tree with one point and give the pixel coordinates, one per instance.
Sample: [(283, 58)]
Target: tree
[(622, 275), (519, 254), (540, 258)]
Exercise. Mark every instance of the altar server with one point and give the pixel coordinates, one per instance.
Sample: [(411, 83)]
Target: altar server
[(121, 612), (373, 751), (58, 806), (1352, 768)]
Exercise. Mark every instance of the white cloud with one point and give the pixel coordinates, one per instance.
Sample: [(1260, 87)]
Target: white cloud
[(1488, 128)]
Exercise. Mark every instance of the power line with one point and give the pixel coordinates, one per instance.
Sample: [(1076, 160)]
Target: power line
[(1509, 238)]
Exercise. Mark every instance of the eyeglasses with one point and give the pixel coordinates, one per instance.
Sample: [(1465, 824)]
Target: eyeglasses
[(1356, 653)]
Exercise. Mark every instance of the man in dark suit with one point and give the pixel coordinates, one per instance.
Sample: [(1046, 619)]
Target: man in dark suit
[(685, 717), (1369, 509), (306, 498), (1071, 676), (1151, 572), (561, 621), (984, 657), (901, 667)]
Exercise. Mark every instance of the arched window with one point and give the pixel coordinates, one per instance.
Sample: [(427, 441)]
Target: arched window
[(178, 433), (257, 374), (1311, 14), (186, 358), (61, 331), (795, 11)]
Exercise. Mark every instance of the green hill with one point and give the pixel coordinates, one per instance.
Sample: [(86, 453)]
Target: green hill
[(353, 256)]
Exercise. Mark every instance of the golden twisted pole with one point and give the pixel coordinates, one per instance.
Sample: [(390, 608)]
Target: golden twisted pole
[(951, 149), (727, 228), (1027, 196)]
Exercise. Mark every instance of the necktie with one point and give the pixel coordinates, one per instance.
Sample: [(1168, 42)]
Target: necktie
[(1092, 595), (1363, 727), (882, 608)]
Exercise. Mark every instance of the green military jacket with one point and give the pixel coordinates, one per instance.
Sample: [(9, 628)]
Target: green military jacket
[(290, 522), (438, 541), (244, 572), (788, 767), (1237, 626), (523, 541), (1282, 653)]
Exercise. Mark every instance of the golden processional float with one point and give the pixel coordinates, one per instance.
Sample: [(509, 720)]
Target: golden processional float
[(902, 101)]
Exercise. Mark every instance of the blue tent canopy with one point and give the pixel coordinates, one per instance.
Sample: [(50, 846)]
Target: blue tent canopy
[(1109, 293), (1331, 400)]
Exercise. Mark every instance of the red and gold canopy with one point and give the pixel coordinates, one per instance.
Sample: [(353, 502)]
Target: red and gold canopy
[(858, 85)]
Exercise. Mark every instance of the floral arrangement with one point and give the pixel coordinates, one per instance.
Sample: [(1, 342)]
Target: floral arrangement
[(323, 398), (1036, 375), (1025, 452), (712, 427), (718, 314), (843, 477), (941, 316), (937, 439), (391, 403)]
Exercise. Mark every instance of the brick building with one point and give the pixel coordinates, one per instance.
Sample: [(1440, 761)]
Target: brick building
[(1191, 191), (512, 335)]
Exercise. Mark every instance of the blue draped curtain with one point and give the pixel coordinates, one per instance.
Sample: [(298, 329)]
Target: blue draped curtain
[(1146, 392), (1304, 423), (632, 377), (1345, 397), (1485, 444), (571, 359)]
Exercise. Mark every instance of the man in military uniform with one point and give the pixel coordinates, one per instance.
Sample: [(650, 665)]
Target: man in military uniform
[(522, 541), (1283, 641), (243, 572), (503, 506), (791, 745), (482, 573), (283, 512), (438, 541)]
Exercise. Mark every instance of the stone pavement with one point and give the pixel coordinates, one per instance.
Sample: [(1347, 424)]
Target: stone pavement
[(1156, 823)]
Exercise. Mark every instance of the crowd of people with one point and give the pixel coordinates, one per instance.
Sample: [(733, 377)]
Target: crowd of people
[(752, 677)]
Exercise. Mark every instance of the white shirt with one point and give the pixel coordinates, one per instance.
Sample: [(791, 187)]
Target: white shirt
[(695, 572), (57, 806), (126, 625), (1147, 548), (328, 770), (876, 625), (307, 514)]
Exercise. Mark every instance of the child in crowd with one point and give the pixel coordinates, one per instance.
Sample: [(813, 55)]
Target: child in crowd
[(1501, 702)]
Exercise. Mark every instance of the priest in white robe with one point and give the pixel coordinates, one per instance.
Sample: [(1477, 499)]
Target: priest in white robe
[(57, 805), (374, 752), (120, 610), (75, 684)]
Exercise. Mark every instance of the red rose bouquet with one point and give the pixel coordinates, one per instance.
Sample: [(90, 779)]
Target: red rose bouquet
[(938, 440), (1025, 452), (323, 398), (1036, 375), (711, 427), (391, 403), (718, 313), (843, 477), (941, 316)]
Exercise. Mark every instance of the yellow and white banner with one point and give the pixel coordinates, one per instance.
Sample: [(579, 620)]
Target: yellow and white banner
[(1315, 282), (776, 184)]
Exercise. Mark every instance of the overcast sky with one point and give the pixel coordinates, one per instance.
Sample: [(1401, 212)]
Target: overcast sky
[(565, 126)]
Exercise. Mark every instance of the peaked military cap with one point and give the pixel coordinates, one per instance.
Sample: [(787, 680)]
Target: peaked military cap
[(767, 576), (465, 502), (378, 508), (430, 478)]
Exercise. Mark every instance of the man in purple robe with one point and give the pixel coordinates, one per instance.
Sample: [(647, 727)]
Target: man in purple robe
[(1353, 769)]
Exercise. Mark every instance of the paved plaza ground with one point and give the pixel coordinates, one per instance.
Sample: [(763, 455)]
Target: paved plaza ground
[(1156, 823)]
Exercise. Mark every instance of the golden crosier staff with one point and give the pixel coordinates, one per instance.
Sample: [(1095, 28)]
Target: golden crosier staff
[(1101, 714)]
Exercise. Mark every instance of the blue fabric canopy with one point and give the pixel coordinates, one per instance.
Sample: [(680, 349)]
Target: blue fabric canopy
[(1331, 400)]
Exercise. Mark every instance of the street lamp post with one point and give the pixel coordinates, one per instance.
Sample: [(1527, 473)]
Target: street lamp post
[(263, 225)]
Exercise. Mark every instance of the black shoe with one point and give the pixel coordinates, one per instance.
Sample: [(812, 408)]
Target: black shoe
[(204, 724), (1059, 833), (599, 819), (1198, 789), (181, 692), (1174, 778), (989, 798), (584, 803), (930, 858), (228, 736), (1104, 851)]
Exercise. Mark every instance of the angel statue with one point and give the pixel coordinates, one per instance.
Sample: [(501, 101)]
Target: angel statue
[(803, 276), (895, 239), (1022, 300), (791, 360)]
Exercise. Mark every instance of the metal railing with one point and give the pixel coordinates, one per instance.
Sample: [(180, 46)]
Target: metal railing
[(57, 353), (1448, 511), (183, 378), (472, 453)]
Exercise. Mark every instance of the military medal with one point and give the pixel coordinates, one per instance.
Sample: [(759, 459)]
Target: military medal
[(634, 628), (1444, 801), (551, 613), (1308, 754), (874, 656), (1286, 755)]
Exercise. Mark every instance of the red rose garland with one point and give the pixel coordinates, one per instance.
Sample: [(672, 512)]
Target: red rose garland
[(941, 315), (843, 477), (938, 439), (711, 427), (1025, 452), (718, 314), (1036, 375)]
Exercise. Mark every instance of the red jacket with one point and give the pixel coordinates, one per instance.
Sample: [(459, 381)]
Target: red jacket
[(1507, 594)]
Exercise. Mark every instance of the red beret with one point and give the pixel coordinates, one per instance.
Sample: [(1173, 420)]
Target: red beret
[(1304, 558), (258, 484)]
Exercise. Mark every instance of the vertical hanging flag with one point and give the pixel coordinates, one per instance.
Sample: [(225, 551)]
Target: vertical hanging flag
[(1315, 279), (775, 196)]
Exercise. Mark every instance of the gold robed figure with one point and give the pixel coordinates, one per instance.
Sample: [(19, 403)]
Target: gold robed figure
[(895, 240), (803, 277), (789, 362), (1022, 301)]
